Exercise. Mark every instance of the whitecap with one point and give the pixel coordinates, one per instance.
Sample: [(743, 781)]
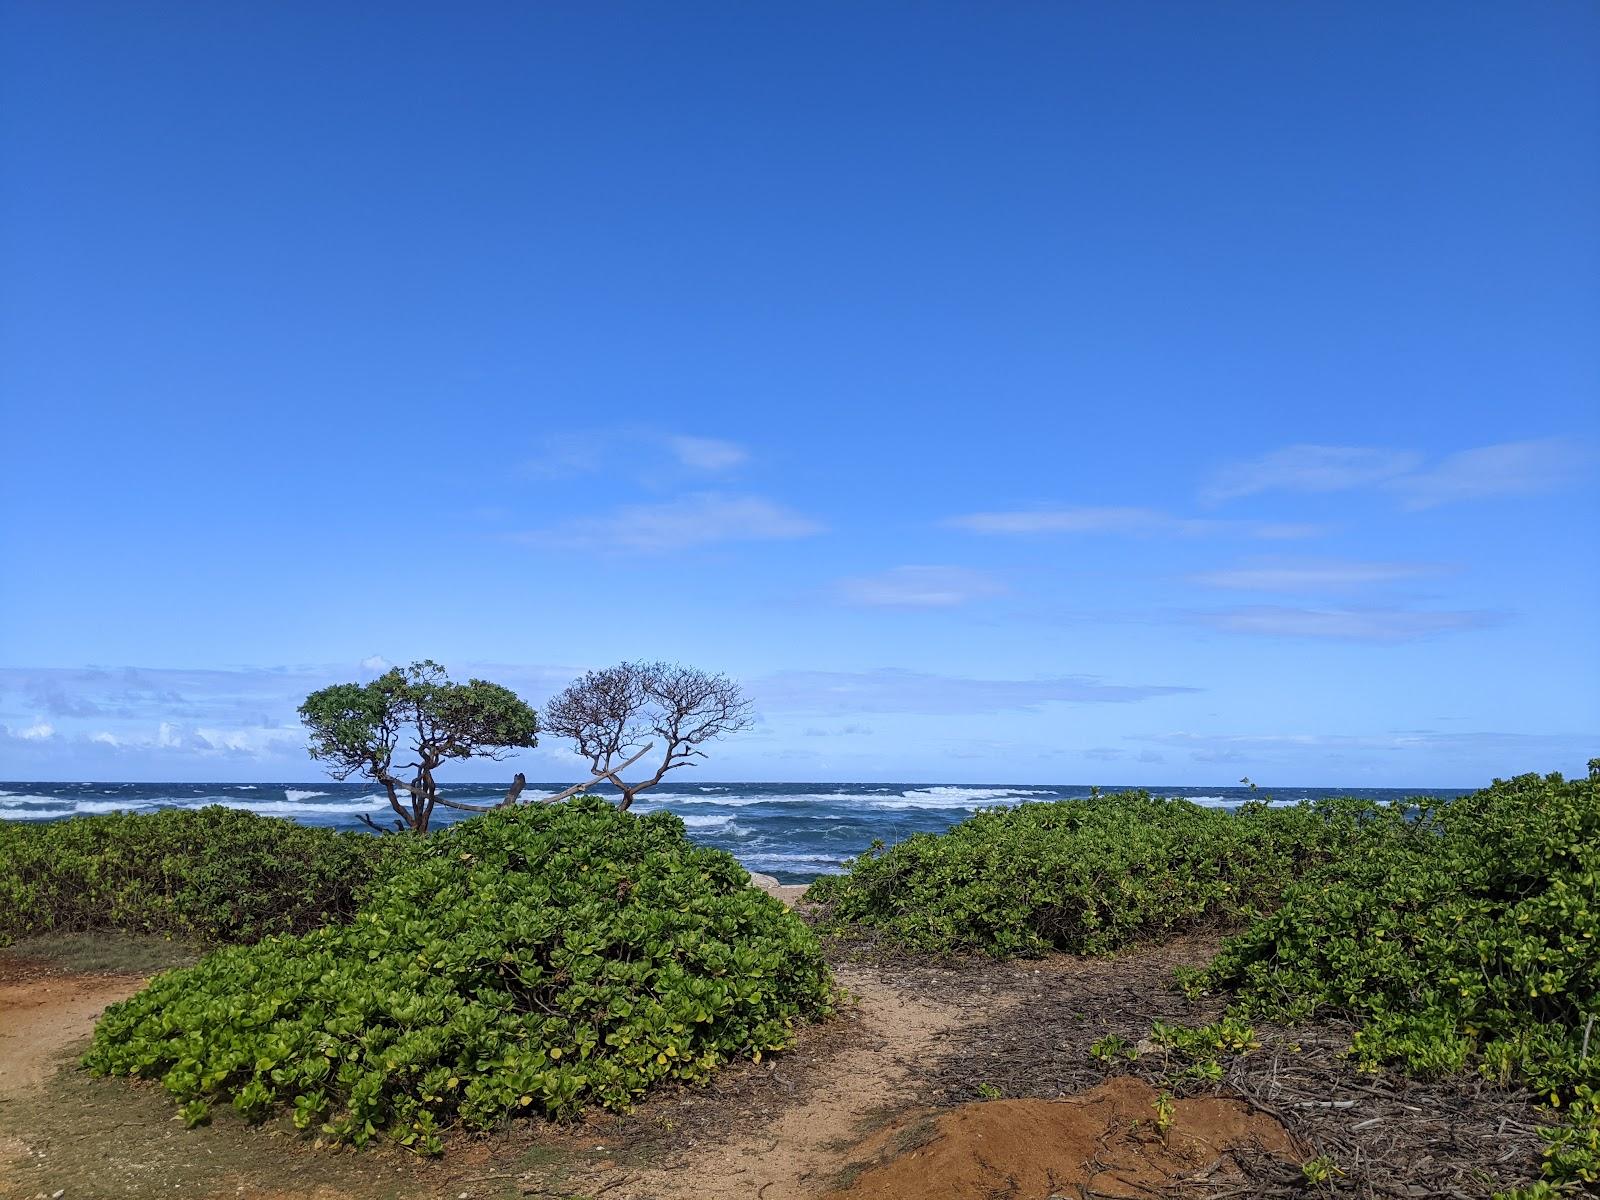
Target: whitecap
[(285, 808), (1226, 802), (702, 821), (12, 800), (293, 795)]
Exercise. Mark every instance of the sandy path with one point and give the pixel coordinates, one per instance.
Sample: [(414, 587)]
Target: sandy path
[(39, 1019), (804, 1147)]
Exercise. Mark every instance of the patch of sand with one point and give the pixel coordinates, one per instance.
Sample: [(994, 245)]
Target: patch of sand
[(40, 1017), (789, 893), (806, 1145), (1101, 1142)]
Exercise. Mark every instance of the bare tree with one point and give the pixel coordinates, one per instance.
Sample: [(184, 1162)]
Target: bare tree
[(610, 713)]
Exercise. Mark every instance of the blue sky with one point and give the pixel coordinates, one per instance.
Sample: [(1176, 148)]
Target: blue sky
[(1106, 392)]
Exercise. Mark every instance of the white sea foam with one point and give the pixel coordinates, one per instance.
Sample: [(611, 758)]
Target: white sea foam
[(108, 806), (9, 806), (294, 796), (39, 814), (703, 821), (818, 863), (975, 793), (780, 798), (289, 808), (956, 797), (13, 800), (1226, 802)]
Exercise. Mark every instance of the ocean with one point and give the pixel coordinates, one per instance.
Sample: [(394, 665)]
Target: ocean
[(794, 831)]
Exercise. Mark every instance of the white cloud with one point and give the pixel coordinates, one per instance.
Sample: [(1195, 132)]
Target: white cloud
[(919, 587), (578, 452), (175, 723), (1507, 469), (1076, 520), (696, 520), (890, 690), (1307, 577), (568, 454), (1536, 749), (375, 663), (707, 454), (1347, 624), (1133, 521), (1504, 469), (1309, 468)]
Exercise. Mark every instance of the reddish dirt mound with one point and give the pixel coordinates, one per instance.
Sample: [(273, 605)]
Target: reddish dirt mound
[(1101, 1142)]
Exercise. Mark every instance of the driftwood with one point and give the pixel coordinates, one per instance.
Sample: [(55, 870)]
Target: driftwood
[(517, 784)]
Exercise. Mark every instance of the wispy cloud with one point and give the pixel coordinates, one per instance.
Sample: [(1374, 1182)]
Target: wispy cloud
[(1121, 520), (565, 453), (39, 731), (1508, 469), (1310, 468), (1506, 753), (1503, 469), (1345, 624), (707, 454), (897, 691), (700, 519), (842, 731), (1314, 576), (167, 723), (919, 587)]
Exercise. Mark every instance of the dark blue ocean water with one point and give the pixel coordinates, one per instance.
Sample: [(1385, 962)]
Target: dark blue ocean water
[(795, 831)]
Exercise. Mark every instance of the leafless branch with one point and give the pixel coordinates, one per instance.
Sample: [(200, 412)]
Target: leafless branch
[(607, 713)]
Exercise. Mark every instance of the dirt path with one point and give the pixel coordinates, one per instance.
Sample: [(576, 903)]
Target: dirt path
[(42, 1016), (107, 1138), (805, 1146)]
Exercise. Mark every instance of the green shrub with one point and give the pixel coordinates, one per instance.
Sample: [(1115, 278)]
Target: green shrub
[(1471, 935), (1087, 876), (215, 873), (533, 960)]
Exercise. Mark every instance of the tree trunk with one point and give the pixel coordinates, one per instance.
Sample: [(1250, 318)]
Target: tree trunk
[(517, 784)]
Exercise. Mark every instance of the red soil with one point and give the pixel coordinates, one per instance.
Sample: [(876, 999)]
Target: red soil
[(1102, 1142)]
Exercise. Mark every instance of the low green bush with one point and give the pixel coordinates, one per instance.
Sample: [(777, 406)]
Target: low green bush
[(1471, 935), (532, 960), (217, 874), (1468, 938), (1086, 876)]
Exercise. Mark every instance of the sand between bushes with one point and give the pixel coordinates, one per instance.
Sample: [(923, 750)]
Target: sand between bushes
[(1101, 1142)]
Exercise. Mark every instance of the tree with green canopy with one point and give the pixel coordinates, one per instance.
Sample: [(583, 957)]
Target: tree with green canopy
[(415, 712)]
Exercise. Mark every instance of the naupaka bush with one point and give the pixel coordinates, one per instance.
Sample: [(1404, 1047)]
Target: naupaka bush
[(533, 960), (1470, 936), (216, 874), (1087, 876)]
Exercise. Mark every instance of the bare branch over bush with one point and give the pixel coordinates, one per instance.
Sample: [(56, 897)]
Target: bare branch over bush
[(610, 713)]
